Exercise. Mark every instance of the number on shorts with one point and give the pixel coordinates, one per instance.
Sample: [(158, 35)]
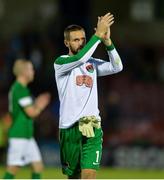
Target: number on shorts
[(97, 156)]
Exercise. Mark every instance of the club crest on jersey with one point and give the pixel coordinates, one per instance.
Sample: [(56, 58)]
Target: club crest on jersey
[(90, 68)]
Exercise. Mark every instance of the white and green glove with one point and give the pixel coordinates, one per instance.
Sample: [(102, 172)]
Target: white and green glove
[(86, 125)]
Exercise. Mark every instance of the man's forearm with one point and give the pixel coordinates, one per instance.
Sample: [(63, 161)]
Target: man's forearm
[(115, 59)]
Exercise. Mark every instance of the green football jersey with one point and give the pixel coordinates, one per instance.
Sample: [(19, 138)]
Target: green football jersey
[(22, 124)]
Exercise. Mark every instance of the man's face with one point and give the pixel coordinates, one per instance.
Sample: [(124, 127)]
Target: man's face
[(29, 72), (76, 42)]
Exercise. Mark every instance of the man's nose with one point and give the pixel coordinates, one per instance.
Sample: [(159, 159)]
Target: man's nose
[(81, 42)]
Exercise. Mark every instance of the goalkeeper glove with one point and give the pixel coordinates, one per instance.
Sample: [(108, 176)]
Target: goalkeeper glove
[(86, 125)]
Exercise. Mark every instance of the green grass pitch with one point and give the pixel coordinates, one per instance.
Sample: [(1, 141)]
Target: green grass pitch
[(103, 173)]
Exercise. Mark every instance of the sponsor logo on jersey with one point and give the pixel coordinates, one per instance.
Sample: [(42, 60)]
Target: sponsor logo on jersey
[(90, 68)]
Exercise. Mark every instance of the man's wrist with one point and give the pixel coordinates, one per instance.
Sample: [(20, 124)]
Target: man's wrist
[(107, 42), (109, 46), (100, 36), (39, 110)]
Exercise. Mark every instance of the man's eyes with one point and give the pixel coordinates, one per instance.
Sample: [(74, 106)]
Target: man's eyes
[(76, 40)]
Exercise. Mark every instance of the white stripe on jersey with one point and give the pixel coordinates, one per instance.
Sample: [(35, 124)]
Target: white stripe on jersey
[(26, 101)]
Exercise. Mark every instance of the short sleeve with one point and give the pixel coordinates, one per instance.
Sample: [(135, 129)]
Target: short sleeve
[(24, 98)]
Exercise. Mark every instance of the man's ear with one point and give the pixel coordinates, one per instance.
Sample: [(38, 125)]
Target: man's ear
[(66, 43)]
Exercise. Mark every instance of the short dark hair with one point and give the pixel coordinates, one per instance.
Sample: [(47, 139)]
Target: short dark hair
[(70, 28)]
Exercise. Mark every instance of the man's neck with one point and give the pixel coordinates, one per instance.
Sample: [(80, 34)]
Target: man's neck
[(22, 81), (70, 53)]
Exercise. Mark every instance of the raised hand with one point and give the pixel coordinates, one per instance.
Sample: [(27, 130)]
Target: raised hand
[(42, 100), (103, 25)]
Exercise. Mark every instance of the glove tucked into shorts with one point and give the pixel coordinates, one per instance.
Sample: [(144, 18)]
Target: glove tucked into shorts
[(86, 125)]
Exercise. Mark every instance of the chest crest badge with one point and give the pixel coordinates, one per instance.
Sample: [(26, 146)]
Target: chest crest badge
[(90, 68)]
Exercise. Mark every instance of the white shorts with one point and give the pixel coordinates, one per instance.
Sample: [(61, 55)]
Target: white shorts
[(22, 151)]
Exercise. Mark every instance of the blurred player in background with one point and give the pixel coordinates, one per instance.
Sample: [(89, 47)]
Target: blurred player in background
[(22, 148), (76, 78)]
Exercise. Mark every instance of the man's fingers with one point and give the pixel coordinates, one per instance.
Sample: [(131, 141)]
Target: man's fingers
[(107, 14), (111, 17), (104, 22), (108, 19), (105, 17), (111, 23)]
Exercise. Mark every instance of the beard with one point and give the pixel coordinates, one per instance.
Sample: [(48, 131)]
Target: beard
[(75, 51)]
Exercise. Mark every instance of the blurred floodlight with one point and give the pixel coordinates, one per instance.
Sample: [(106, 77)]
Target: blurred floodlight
[(48, 9), (142, 10)]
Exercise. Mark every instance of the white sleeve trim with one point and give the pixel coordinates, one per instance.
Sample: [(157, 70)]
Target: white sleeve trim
[(26, 101)]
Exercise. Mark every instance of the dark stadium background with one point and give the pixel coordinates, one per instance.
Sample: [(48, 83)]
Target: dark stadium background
[(131, 102)]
